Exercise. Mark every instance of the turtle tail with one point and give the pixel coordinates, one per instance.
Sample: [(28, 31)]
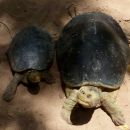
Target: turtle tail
[(12, 87)]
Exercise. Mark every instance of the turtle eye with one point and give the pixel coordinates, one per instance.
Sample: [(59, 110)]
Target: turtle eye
[(89, 96), (82, 91)]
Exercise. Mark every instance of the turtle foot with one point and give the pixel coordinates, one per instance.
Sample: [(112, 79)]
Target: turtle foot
[(7, 96), (124, 127), (118, 119)]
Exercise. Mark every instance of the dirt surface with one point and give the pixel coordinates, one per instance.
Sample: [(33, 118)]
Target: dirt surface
[(40, 109)]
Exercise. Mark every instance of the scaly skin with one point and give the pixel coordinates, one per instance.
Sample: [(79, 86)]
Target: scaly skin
[(89, 97), (109, 103), (68, 106), (12, 87)]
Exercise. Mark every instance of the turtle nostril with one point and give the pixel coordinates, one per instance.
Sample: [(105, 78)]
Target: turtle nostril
[(89, 96)]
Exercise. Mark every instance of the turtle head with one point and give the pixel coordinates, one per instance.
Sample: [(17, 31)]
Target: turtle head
[(89, 96), (34, 76)]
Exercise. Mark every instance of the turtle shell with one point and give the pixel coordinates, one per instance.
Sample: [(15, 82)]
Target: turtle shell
[(31, 48), (93, 50)]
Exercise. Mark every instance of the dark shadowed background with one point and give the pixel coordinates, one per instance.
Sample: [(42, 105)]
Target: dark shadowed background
[(40, 109)]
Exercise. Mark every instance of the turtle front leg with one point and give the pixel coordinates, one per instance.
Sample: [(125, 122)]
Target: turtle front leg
[(47, 76), (68, 106), (12, 87), (110, 105)]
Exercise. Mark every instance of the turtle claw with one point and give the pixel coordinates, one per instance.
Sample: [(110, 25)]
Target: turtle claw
[(124, 127), (118, 119)]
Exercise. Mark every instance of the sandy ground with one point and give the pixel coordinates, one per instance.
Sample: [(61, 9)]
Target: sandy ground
[(40, 109)]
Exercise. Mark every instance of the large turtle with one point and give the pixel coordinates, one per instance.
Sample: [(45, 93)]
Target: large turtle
[(30, 56), (92, 56)]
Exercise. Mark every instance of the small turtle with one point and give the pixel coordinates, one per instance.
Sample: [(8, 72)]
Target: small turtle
[(92, 56), (30, 56)]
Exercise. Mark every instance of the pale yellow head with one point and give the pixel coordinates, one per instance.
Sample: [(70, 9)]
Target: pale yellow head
[(89, 96)]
